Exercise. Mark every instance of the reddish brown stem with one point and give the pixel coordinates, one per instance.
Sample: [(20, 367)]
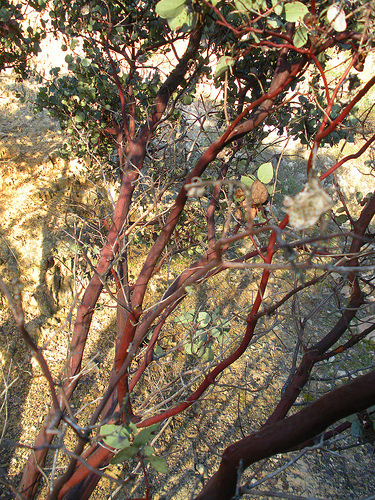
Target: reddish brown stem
[(85, 311), (332, 126), (348, 158)]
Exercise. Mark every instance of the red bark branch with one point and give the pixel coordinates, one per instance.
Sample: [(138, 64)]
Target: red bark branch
[(281, 436)]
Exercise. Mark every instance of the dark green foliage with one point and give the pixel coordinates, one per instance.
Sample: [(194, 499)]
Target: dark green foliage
[(86, 101), (17, 42)]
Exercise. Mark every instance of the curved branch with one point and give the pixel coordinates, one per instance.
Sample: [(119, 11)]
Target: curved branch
[(281, 436)]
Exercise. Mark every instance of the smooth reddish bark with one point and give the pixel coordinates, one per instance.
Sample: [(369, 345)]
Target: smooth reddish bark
[(288, 433)]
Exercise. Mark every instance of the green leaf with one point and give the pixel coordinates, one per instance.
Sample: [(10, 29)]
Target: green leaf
[(79, 117), (74, 43), (187, 99), (148, 451), (54, 71), (202, 337), (159, 464), (184, 318), (185, 21), (223, 64), (248, 181), (261, 219), (86, 63), (203, 319), (115, 436), (265, 173), (133, 428), (255, 36), (294, 11), (124, 454), (169, 8), (341, 219), (300, 37), (278, 7), (188, 348), (274, 23), (215, 332), (209, 354), (145, 435), (245, 6), (108, 429), (158, 351), (356, 429)]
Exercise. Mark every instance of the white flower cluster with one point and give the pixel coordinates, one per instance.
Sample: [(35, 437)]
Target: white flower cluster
[(308, 206), (193, 189)]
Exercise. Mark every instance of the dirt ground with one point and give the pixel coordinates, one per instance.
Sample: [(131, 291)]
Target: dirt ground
[(37, 190)]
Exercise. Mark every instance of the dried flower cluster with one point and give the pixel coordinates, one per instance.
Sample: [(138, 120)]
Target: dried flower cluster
[(193, 189), (308, 206)]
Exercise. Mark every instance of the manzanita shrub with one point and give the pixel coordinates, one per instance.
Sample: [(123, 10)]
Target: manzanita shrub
[(191, 169)]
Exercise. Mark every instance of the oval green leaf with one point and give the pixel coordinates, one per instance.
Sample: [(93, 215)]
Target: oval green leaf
[(244, 5), (209, 354), (188, 348), (223, 64), (248, 181), (159, 464), (79, 117), (295, 11), (124, 454), (203, 319), (185, 21), (169, 8), (274, 23), (300, 37), (278, 7), (115, 436), (265, 172), (145, 435), (148, 451), (187, 99), (215, 332)]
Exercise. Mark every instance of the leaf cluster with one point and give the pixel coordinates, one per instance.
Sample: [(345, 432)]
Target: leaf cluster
[(131, 442), (205, 331), (306, 116), (17, 42)]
